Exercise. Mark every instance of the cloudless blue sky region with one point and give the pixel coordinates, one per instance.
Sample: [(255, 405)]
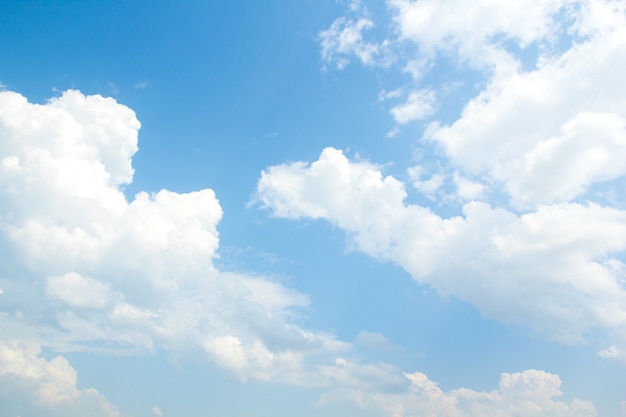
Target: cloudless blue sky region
[(401, 208)]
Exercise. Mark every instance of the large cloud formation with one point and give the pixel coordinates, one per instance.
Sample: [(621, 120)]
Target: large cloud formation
[(554, 269), (82, 268), (535, 160)]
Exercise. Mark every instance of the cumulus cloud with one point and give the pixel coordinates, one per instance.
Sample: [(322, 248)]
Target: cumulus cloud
[(545, 127), (548, 122), (418, 105), (528, 393), (51, 385), (475, 31), (555, 270), (83, 268), (547, 135)]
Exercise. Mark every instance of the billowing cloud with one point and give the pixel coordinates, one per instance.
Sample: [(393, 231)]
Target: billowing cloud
[(555, 270), (535, 159), (547, 122), (529, 393), (50, 386), (84, 268), (477, 30)]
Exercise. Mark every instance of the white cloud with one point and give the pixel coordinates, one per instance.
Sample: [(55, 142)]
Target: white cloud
[(85, 267), (344, 38), (477, 33), (424, 185), (547, 124), (418, 105), (51, 385), (549, 134), (468, 189), (79, 292), (550, 121), (553, 269), (474, 29), (529, 393), (156, 411), (613, 352), (138, 275)]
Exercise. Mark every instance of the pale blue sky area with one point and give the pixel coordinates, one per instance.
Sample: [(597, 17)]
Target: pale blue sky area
[(418, 208)]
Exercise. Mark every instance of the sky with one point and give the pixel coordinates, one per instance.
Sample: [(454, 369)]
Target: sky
[(401, 208)]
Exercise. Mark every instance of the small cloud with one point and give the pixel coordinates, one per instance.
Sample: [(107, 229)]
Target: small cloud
[(142, 84), (344, 39), (271, 135), (418, 105), (387, 95), (156, 411), (612, 352)]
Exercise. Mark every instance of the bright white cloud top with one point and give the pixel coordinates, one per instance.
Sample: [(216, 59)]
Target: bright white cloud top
[(551, 269), (510, 204)]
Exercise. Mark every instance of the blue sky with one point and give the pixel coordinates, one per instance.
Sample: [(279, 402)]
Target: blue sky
[(337, 208)]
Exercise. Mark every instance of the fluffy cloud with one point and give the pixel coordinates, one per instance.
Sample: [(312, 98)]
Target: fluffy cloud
[(555, 269), (50, 385), (549, 121), (546, 127), (547, 135), (475, 31), (418, 105), (82, 267), (528, 393)]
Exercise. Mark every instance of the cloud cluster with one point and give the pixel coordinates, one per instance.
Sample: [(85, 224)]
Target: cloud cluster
[(549, 121), (546, 130), (555, 270), (530, 394), (83, 268), (49, 385)]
